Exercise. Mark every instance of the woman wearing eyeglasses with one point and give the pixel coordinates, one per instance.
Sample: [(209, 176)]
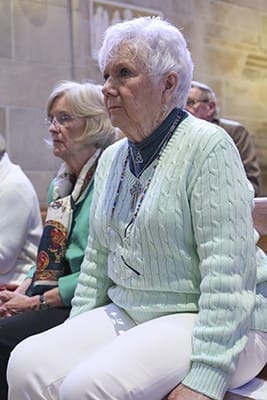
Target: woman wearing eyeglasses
[(80, 129)]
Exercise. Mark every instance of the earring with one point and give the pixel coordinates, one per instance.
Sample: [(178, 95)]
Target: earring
[(164, 108)]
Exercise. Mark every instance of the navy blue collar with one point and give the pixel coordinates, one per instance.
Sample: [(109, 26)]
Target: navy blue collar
[(141, 154)]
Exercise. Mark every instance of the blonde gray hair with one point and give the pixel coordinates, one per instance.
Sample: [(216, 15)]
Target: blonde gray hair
[(86, 100)]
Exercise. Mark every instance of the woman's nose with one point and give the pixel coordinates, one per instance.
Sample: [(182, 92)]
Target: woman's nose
[(54, 126), (109, 87)]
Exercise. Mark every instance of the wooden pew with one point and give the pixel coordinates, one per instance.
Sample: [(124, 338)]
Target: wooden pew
[(260, 220)]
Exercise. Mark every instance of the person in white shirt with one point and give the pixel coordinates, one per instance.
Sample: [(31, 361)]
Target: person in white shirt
[(20, 222)]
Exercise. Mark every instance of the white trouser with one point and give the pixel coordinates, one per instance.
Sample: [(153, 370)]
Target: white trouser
[(102, 354)]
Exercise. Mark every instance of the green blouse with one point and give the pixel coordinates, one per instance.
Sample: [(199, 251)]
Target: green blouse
[(77, 242)]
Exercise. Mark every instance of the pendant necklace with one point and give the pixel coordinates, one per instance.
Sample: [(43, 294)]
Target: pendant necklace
[(137, 188), (138, 191)]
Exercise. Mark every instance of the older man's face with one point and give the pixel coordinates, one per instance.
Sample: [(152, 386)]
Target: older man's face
[(199, 105)]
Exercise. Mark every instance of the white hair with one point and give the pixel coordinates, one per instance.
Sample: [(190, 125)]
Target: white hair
[(158, 43)]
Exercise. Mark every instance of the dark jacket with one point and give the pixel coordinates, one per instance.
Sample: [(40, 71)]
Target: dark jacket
[(246, 148)]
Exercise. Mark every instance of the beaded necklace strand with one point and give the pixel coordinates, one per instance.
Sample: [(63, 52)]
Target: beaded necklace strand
[(143, 193)]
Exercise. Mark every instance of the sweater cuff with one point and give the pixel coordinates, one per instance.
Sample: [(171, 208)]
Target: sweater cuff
[(207, 380)]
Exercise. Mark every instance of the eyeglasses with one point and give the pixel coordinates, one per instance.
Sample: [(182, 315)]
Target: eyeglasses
[(193, 102), (61, 119)]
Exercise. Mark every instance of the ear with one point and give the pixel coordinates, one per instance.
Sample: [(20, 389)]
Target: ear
[(211, 109), (170, 82)]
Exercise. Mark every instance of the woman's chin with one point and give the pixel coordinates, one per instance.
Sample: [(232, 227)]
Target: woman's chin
[(57, 152)]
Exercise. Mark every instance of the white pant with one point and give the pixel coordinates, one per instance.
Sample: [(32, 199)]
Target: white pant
[(102, 354)]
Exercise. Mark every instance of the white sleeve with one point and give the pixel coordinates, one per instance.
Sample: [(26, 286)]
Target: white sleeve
[(14, 225)]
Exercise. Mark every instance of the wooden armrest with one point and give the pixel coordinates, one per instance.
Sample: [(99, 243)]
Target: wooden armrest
[(43, 213)]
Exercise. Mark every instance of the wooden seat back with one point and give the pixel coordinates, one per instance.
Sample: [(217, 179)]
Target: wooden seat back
[(260, 220)]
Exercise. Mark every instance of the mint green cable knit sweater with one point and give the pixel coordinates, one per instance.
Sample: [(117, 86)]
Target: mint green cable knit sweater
[(190, 249)]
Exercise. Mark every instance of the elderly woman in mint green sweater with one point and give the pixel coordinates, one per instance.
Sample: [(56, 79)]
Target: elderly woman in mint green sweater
[(171, 299), (80, 129)]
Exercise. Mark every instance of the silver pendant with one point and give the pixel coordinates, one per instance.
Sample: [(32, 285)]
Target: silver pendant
[(139, 158), (135, 191)]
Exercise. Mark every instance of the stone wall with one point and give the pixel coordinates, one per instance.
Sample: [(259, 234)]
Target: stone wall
[(43, 41)]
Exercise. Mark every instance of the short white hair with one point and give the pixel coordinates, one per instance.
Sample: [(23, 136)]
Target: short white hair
[(205, 89), (158, 43)]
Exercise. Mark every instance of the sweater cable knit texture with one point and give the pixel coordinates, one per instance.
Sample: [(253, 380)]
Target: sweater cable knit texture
[(192, 244)]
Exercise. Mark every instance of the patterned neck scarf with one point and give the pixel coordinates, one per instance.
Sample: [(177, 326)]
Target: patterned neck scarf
[(51, 260)]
